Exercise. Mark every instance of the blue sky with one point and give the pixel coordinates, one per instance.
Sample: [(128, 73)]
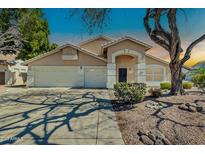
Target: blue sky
[(64, 29)]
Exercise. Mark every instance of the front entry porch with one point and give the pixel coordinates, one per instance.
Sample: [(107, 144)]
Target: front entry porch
[(126, 66)]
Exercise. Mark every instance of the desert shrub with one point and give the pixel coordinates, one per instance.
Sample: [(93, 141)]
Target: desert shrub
[(165, 85), (155, 92), (199, 81), (130, 92), (187, 85)]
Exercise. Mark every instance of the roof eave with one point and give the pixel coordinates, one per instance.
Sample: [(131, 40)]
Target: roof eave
[(60, 48)]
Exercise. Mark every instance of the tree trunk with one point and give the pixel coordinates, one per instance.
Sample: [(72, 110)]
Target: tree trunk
[(176, 78)]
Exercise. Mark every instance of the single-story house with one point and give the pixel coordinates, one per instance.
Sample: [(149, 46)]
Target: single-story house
[(98, 62)]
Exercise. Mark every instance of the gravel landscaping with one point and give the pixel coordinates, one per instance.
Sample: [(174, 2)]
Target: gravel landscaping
[(164, 120)]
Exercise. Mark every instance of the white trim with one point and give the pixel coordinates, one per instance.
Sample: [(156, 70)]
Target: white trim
[(140, 72), (111, 75), (126, 52)]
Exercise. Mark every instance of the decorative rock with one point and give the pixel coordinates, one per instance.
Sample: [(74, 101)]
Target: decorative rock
[(155, 105), (191, 109), (158, 142), (153, 137), (183, 107), (187, 104), (166, 141), (146, 140), (141, 133), (199, 108), (155, 134)]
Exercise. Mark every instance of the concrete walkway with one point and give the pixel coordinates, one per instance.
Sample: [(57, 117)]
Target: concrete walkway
[(58, 116)]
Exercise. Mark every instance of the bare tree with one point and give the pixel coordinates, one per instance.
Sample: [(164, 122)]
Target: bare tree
[(168, 38), (10, 41), (93, 17)]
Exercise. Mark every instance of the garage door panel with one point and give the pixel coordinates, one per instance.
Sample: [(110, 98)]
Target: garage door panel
[(95, 77), (58, 77)]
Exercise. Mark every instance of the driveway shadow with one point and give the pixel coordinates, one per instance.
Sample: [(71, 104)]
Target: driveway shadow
[(48, 103)]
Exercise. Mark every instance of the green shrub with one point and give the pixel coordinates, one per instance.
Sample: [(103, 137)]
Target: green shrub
[(199, 81), (155, 92), (187, 85), (130, 92), (165, 85)]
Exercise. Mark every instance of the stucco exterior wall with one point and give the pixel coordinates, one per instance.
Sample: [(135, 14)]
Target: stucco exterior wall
[(95, 45), (56, 60), (127, 44), (126, 62)]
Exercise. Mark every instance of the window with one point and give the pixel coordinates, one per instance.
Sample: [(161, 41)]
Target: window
[(154, 74), (69, 55)]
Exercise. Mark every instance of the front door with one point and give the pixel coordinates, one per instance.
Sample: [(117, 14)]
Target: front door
[(122, 75)]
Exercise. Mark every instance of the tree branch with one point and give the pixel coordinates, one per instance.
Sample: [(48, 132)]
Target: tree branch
[(190, 47), (156, 35)]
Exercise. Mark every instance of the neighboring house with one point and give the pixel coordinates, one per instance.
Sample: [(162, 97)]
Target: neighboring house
[(11, 71), (97, 62)]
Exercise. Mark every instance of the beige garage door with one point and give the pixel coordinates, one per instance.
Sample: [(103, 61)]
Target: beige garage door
[(58, 77), (95, 77)]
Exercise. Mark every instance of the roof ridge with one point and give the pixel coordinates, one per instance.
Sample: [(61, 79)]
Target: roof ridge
[(95, 37), (123, 38)]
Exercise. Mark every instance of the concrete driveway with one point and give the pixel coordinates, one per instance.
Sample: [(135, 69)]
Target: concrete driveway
[(2, 89), (58, 116)]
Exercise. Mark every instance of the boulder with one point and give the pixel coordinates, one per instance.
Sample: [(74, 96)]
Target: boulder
[(199, 108), (146, 140), (140, 133), (158, 142), (183, 107), (187, 104), (153, 137), (166, 141), (191, 109), (155, 134)]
